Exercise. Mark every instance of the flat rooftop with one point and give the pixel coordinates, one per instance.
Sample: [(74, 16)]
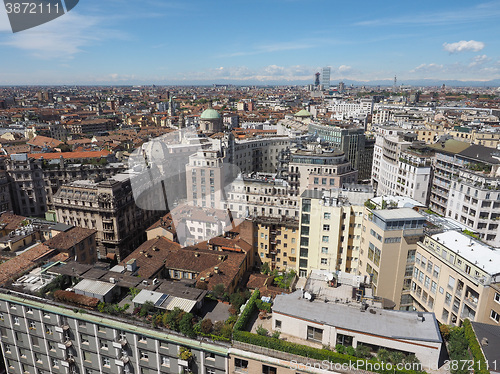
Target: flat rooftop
[(400, 201), (403, 213), (480, 254), (386, 323)]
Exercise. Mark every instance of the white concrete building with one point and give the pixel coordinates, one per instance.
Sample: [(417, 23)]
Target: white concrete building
[(330, 323)]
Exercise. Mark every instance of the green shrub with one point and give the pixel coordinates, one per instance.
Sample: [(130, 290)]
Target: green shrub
[(186, 325), (458, 350), (340, 348), (479, 359), (206, 326), (242, 322), (303, 350), (261, 331), (362, 351), (276, 334), (350, 351)]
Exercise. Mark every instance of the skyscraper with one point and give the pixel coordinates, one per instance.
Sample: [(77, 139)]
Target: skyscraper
[(316, 80), (325, 78)]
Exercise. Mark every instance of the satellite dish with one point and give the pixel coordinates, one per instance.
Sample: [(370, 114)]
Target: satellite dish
[(307, 296)]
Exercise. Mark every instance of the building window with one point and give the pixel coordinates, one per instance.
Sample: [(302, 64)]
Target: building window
[(54, 362), (165, 361), (497, 297), (241, 366), (325, 239), (15, 320), (103, 344), (32, 325), (210, 371), (495, 316), (277, 324), (326, 227), (324, 261), (144, 355), (84, 339), (106, 361), (268, 369), (324, 250), (87, 356), (327, 215), (313, 333), (48, 330)]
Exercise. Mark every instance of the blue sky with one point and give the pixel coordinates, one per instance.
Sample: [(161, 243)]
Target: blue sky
[(273, 41)]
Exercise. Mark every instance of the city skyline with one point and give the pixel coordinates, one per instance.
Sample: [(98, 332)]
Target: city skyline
[(279, 42)]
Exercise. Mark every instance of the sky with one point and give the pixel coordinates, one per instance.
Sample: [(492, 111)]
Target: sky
[(254, 42)]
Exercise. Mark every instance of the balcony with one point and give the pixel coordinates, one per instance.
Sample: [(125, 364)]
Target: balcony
[(413, 232)]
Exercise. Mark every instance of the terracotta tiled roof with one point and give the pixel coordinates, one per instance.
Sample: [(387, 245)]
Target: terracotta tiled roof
[(41, 141), (150, 255), (11, 221), (18, 265), (66, 240), (70, 155), (257, 281)]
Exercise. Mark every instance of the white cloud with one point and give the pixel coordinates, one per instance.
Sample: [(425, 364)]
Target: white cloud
[(344, 69), (481, 67), (424, 68), (463, 46), (479, 60), (61, 38)]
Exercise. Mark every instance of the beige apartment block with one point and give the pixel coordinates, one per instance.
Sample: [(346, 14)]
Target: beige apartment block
[(330, 230), (276, 242), (388, 246), (457, 277)]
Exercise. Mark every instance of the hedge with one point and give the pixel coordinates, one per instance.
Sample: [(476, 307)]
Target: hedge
[(480, 366), (305, 351), (245, 316)]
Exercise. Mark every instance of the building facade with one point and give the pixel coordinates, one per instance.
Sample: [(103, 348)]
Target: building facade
[(46, 337), (457, 277), (108, 207)]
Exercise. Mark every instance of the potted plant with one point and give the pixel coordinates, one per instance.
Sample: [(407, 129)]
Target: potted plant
[(185, 356)]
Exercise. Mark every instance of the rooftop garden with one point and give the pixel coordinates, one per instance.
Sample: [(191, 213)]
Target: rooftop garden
[(341, 354), (463, 347)]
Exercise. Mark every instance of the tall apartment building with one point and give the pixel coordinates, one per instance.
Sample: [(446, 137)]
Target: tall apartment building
[(465, 187), (330, 229), (260, 194), (276, 242), (108, 207), (352, 141), (40, 336), (258, 154), (388, 246), (457, 277), (34, 181), (414, 174), (205, 179), (447, 163), (5, 196), (315, 167)]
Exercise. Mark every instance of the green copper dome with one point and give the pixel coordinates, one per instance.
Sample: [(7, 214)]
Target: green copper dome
[(209, 114), (303, 113)]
